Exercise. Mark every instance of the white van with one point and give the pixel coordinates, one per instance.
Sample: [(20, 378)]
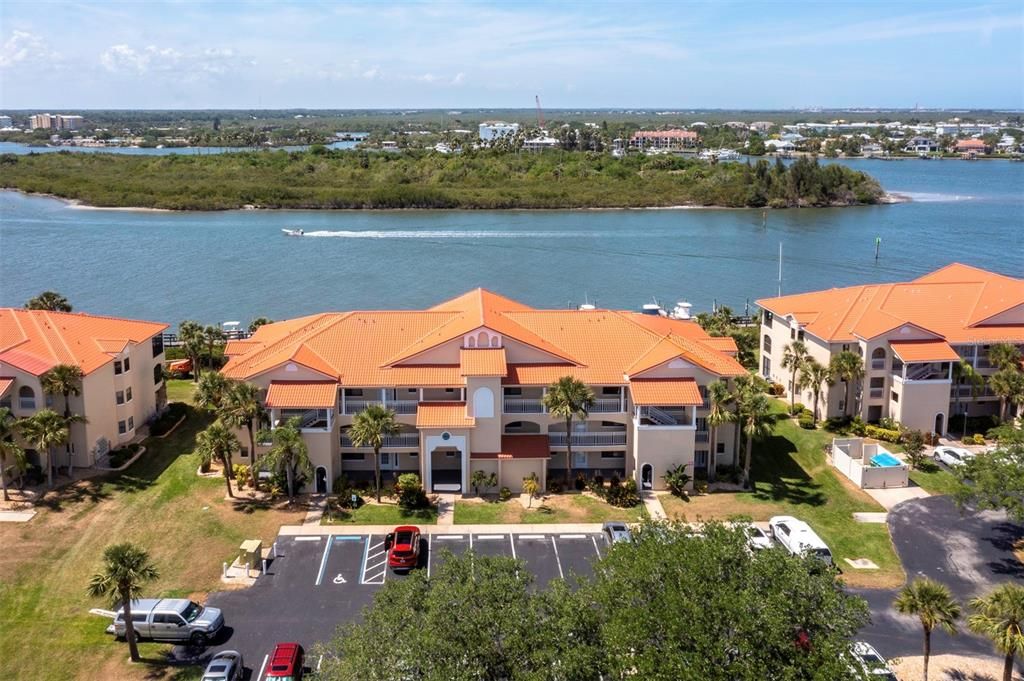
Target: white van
[(798, 538)]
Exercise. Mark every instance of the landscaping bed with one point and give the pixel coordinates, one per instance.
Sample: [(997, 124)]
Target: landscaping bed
[(552, 508)]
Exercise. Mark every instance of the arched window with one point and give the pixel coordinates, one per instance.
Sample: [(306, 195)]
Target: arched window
[(483, 403), (26, 397), (522, 427), (471, 342), (878, 358), (481, 339), (767, 347), (495, 341)]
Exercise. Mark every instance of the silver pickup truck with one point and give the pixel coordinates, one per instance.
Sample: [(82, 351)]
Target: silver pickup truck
[(170, 619)]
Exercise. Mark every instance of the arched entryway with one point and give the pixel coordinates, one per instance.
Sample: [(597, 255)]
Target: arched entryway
[(321, 480), (940, 421), (647, 476)]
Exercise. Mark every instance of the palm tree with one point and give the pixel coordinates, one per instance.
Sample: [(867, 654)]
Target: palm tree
[(965, 374), (933, 604), (212, 335), (753, 410), (999, 615), (217, 443), (213, 391), (1008, 384), (720, 411), (242, 407), (126, 568), (847, 367), (794, 357), (815, 376), (9, 448), (369, 428), (45, 429), (64, 380), (49, 300), (568, 399), (190, 334), (258, 322), (288, 453), (1004, 356)]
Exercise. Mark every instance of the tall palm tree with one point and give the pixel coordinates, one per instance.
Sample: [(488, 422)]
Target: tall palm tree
[(45, 429), (815, 376), (965, 374), (9, 448), (218, 443), (1008, 384), (212, 391), (847, 366), (934, 605), (288, 453), (190, 334), (720, 411), (242, 407), (753, 409), (794, 357), (369, 428), (568, 399), (999, 615), (212, 335), (126, 568), (64, 380), (1004, 356), (49, 300)]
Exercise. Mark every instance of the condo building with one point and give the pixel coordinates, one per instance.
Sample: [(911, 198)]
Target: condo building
[(466, 380), (909, 334), (122, 366)]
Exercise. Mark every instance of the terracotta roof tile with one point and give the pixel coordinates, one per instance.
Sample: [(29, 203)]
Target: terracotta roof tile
[(924, 351), (483, 362), (665, 391), (302, 395), (443, 415), (5, 385)]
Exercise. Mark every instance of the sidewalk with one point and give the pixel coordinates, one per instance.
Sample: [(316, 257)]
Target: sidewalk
[(314, 514), (896, 495), (653, 505), (446, 509)]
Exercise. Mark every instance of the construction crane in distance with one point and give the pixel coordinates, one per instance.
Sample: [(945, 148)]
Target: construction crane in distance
[(540, 114)]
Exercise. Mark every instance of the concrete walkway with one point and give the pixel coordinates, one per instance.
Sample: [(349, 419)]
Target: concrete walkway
[(16, 516), (446, 509), (870, 517), (545, 528), (653, 505), (896, 495), (314, 514)]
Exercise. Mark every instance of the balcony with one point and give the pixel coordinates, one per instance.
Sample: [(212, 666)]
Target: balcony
[(876, 393), (702, 436), (407, 440), (354, 406), (525, 405), (932, 371), (310, 419), (666, 416), (592, 439), (606, 405)]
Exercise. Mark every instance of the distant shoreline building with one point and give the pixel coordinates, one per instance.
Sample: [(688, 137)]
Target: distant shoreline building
[(492, 130), (46, 121), (6, 122), (663, 139)]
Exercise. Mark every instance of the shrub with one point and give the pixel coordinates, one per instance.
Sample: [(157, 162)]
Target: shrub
[(598, 480), (165, 421), (777, 389), (836, 424), (581, 482), (882, 433), (676, 479), (504, 494), (806, 422), (913, 447), (410, 492), (730, 473), (531, 487), (614, 482), (700, 487), (797, 409), (889, 423), (978, 439), (555, 486), (624, 495), (243, 474), (858, 427), (483, 479)]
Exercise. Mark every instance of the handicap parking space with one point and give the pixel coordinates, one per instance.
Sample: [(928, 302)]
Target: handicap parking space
[(375, 561)]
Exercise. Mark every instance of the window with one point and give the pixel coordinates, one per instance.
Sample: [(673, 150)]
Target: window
[(128, 395), (894, 396), (119, 397), (353, 456), (767, 345), (158, 344), (792, 332), (768, 317), (450, 455), (131, 423), (127, 364), (353, 392), (158, 374), (26, 397), (610, 391), (800, 334), (513, 392), (122, 427), (878, 358), (613, 455), (720, 448), (700, 459), (243, 452), (118, 367), (766, 367)]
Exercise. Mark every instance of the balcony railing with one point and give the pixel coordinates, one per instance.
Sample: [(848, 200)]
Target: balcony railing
[(27, 402), (588, 439), (312, 419), (606, 405), (524, 405), (876, 393), (878, 363), (354, 406), (702, 436), (403, 440)]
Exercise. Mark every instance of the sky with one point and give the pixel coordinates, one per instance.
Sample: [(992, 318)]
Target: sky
[(664, 55)]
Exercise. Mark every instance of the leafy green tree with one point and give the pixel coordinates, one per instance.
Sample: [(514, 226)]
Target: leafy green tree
[(1004, 356), (126, 568), (65, 380), (965, 374), (190, 334), (756, 146), (258, 322), (933, 605), (753, 410), (1008, 385), (999, 615), (369, 428), (815, 377), (995, 479), (913, 448), (218, 443), (213, 391), (568, 399), (46, 429), (49, 300), (794, 357), (531, 488), (481, 478), (288, 453), (846, 366), (9, 449)]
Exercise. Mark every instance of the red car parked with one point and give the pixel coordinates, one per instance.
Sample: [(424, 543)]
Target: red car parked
[(285, 662), (403, 547)]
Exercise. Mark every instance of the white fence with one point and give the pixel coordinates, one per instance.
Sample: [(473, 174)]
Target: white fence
[(852, 456)]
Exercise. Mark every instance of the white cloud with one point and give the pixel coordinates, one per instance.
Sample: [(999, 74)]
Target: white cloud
[(212, 61), (27, 49)]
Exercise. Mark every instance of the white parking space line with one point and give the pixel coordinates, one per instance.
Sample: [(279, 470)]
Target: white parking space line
[(262, 666), (531, 536), (512, 541), (490, 536), (375, 563), (572, 536), (323, 562), (430, 553), (596, 550), (558, 560), (447, 536), (319, 662), (308, 538)]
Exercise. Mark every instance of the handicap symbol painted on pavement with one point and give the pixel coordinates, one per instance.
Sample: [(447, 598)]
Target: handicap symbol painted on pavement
[(340, 579)]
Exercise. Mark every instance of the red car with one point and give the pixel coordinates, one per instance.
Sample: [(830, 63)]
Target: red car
[(285, 662), (403, 547)]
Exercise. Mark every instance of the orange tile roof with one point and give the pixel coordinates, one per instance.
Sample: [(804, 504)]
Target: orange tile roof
[(483, 362), (519, 447), (957, 302), (302, 395), (666, 391), (35, 341), (722, 343), (240, 347), (5, 385), (924, 351), (443, 415)]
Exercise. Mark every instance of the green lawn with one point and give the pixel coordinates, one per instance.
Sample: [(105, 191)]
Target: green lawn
[(555, 508), (160, 504), (383, 514), (792, 477), (934, 478), (180, 390)]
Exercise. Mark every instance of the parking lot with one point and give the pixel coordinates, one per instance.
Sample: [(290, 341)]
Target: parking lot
[(317, 582)]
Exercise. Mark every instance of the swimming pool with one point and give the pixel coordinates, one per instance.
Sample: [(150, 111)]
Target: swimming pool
[(885, 460)]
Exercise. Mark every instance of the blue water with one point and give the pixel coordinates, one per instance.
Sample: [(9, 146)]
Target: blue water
[(237, 265), (885, 460), (21, 149)]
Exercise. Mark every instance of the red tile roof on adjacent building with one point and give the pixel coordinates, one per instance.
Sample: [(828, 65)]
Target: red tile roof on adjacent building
[(483, 362), (519, 447), (302, 395), (443, 415), (958, 303), (971, 144), (665, 391), (35, 341), (924, 351), (5, 385)]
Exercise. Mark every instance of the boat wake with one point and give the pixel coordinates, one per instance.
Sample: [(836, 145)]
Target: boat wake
[(933, 197), (445, 234)]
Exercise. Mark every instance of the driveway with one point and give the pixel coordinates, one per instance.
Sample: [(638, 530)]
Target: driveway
[(969, 553)]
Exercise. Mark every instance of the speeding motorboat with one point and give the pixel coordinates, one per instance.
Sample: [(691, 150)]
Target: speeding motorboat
[(293, 232)]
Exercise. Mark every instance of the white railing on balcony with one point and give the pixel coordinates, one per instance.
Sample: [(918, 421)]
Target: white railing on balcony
[(659, 416), (312, 419), (588, 439), (876, 393), (606, 405), (402, 440), (354, 406), (524, 405), (702, 436)]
